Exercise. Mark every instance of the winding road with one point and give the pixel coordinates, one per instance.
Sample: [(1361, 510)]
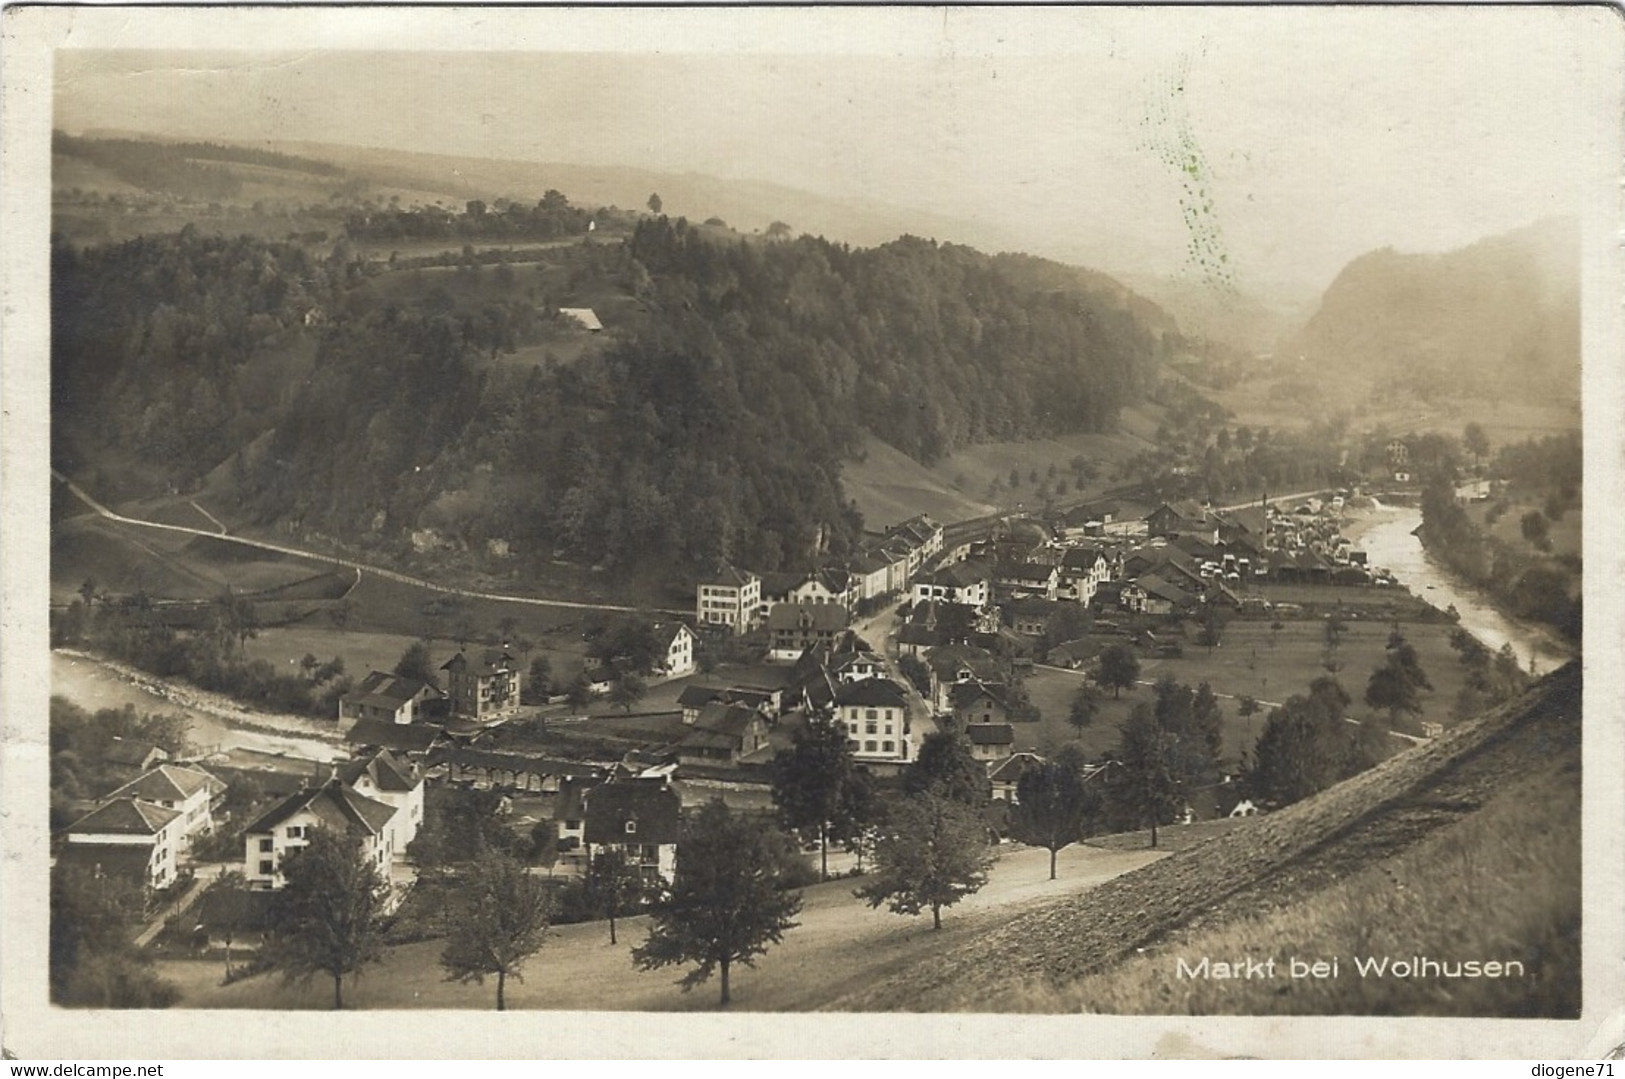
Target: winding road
[(334, 560)]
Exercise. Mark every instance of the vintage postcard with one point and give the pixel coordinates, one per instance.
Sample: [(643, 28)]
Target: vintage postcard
[(1070, 523)]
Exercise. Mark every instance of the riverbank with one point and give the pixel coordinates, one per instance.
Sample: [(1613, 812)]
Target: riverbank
[(218, 723), (1388, 536)]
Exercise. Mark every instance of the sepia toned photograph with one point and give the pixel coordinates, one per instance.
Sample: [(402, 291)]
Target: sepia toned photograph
[(1045, 512)]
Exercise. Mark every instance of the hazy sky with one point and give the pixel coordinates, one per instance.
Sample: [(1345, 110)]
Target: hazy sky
[(1268, 147)]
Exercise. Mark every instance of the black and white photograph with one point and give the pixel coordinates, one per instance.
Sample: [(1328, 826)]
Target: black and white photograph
[(1016, 514)]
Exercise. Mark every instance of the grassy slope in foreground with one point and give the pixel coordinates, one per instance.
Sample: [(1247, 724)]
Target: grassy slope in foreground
[(1465, 848)]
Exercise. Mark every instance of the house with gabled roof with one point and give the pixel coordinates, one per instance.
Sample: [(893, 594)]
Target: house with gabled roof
[(828, 585), (725, 733), (1029, 580), (287, 826), (483, 689), (990, 741), (1005, 775), (130, 753), (793, 628), (674, 650), (957, 663), (379, 774), (127, 839), (975, 701), (958, 582), (412, 739), (641, 818), (1180, 518), (389, 697), (184, 788)]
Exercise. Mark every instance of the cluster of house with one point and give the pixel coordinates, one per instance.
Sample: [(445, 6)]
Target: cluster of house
[(739, 601)]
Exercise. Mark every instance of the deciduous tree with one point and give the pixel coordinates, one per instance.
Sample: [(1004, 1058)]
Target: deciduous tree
[(416, 663), (725, 905), (613, 886), (932, 853), (1054, 808), (817, 785), (325, 919), (503, 922), (1119, 669), (945, 765)]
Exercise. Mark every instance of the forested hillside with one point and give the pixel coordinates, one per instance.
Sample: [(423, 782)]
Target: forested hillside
[(1500, 318), (710, 425)]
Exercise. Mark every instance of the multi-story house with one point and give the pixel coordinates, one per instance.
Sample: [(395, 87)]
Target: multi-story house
[(674, 650), (732, 598), (793, 628), (384, 777), (485, 689), (641, 818), (286, 827), (127, 839), (875, 713), (186, 789), (958, 582)]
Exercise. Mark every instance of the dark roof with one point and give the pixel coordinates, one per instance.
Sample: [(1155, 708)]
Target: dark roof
[(665, 633), (406, 737), (652, 803), (492, 661), (387, 771), (1011, 768), (915, 633), (380, 689), (1027, 571), (1156, 586), (730, 577), (128, 751), (169, 783), (334, 804), (817, 617), (513, 762), (699, 696), (732, 720), (872, 692), (1080, 558), (123, 816), (965, 694), (951, 657), (990, 734), (779, 584)]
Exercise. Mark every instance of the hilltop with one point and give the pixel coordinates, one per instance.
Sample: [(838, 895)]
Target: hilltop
[(1501, 316), (1463, 848)]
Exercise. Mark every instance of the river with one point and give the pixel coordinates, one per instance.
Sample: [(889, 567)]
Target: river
[(1387, 537), (94, 685)]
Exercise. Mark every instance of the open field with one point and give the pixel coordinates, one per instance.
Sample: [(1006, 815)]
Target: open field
[(1437, 852), (840, 945), (889, 486), (1251, 661)]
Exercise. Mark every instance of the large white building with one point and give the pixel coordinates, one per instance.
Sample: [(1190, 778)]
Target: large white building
[(286, 827), (732, 598), (875, 714)]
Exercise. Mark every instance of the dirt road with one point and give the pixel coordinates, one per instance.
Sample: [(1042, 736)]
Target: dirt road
[(840, 945), (334, 560)]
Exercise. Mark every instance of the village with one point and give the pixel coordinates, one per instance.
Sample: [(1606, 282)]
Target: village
[(917, 635)]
